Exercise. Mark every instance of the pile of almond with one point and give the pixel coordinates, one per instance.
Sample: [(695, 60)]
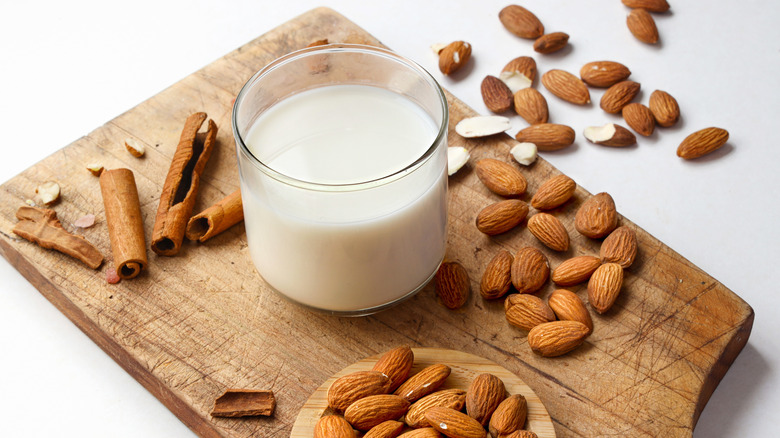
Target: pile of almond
[(387, 402)]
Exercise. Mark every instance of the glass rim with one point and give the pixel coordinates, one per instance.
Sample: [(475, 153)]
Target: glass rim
[(340, 48)]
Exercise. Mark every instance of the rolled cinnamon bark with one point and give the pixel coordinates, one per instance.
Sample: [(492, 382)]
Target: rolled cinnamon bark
[(217, 218), (125, 224), (181, 185)]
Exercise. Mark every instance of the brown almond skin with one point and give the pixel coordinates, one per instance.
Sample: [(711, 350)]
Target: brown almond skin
[(575, 270), (619, 95), (427, 432), (447, 64), (621, 138), (569, 307), (454, 424), (386, 429), (604, 74), (702, 142), (619, 247), (526, 311), (547, 136), (509, 416), (375, 409), (642, 26), (501, 216), (484, 395), (554, 192), (497, 278), (650, 5), (496, 95), (352, 387), (597, 216), (639, 118), (333, 426), (549, 230), (524, 65), (521, 22), (501, 177), (664, 107), (452, 284), (566, 86), (530, 270), (551, 42), (531, 105), (556, 338), (448, 398), (604, 286), (396, 364), (428, 380)]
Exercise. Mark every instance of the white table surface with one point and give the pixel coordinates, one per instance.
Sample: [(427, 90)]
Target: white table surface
[(68, 67)]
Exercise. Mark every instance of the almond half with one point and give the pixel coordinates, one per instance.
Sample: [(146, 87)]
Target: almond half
[(610, 134), (566, 86), (524, 153), (519, 73)]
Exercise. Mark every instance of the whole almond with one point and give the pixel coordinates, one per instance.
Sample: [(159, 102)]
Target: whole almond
[(521, 22), (454, 424), (650, 5), (530, 270), (702, 142), (352, 387), (374, 409), (386, 429), (610, 134), (642, 26), (575, 270), (509, 416), (526, 311), (619, 247), (566, 86), (547, 136), (454, 56), (604, 286), (524, 65), (531, 105), (619, 95), (569, 307), (639, 118), (452, 284), (549, 230), (556, 338), (501, 216), (551, 42), (428, 380), (395, 364), (553, 193), (333, 426), (497, 278), (664, 107), (496, 95), (426, 432), (604, 74), (597, 216), (501, 177), (448, 398), (484, 395)]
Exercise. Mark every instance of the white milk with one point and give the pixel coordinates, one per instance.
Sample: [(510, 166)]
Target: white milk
[(345, 250)]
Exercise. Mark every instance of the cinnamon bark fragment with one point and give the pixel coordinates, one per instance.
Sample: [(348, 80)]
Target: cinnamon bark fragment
[(217, 218), (244, 403), (41, 226), (181, 184), (125, 223)]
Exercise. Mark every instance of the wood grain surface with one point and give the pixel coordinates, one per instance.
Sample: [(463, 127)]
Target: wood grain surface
[(193, 325)]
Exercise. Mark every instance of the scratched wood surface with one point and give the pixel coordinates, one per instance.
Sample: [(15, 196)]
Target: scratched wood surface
[(195, 324)]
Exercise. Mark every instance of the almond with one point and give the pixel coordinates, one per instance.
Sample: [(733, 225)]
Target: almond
[(448, 398), (426, 432), (482, 126), (569, 307), (454, 56), (551, 42), (454, 424), (352, 387), (702, 142), (496, 95), (604, 286), (374, 409), (547, 136), (553, 193), (135, 147), (497, 278), (452, 284), (387, 429), (604, 74), (509, 416), (457, 157), (428, 380), (619, 95), (526, 311), (530, 270), (650, 5), (556, 338), (333, 426), (531, 106), (566, 86), (639, 118), (549, 230), (395, 364), (610, 134), (501, 217), (597, 216), (664, 107), (484, 395), (619, 247), (575, 270), (524, 153), (501, 178), (521, 434), (521, 22), (524, 65), (642, 26)]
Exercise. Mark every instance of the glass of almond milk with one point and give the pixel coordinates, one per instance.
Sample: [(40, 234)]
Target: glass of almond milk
[(342, 153)]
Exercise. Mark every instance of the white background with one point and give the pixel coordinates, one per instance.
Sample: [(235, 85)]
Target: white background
[(68, 67)]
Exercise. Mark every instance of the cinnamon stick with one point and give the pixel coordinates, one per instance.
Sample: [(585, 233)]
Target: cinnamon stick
[(41, 226), (181, 185), (125, 223), (217, 218), (244, 403)]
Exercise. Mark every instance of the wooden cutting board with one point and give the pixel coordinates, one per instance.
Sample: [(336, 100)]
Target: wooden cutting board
[(196, 324)]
